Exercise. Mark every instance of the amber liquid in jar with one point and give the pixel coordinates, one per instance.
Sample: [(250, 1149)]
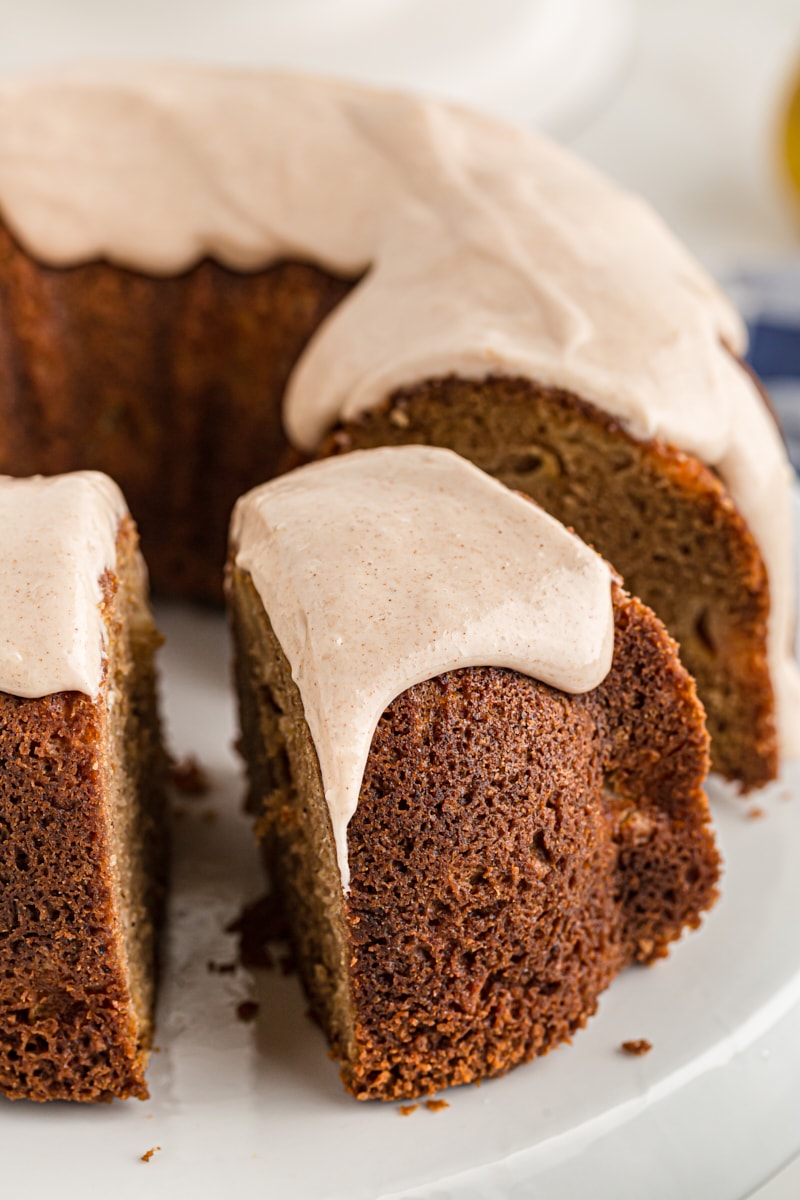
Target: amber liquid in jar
[(790, 142)]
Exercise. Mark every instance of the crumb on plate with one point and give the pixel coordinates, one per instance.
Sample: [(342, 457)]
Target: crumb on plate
[(188, 777), (637, 1046), (258, 923), (220, 968)]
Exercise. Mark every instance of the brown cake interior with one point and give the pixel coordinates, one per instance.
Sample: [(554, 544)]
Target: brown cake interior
[(662, 518), (513, 849), (82, 868)]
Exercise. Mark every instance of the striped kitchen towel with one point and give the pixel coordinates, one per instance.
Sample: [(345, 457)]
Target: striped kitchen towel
[(769, 301)]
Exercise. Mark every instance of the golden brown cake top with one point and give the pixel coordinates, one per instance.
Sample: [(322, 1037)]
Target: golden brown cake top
[(57, 539), (383, 568), (482, 249)]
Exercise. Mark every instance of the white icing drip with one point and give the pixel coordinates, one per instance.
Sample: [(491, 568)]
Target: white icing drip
[(486, 250), (383, 568), (57, 538)]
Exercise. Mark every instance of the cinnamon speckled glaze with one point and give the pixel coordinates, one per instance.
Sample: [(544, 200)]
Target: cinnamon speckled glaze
[(479, 249), (388, 567), (58, 539)]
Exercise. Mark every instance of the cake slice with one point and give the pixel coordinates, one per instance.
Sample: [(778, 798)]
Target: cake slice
[(475, 764), (83, 846)]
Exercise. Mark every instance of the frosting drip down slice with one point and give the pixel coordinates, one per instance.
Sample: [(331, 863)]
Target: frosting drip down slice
[(57, 538), (383, 568), (481, 249)]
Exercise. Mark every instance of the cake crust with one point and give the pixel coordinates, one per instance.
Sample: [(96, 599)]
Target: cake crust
[(512, 850), (660, 516), (112, 370), (83, 870)]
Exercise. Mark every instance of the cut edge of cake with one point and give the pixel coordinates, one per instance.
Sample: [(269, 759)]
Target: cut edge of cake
[(83, 806)]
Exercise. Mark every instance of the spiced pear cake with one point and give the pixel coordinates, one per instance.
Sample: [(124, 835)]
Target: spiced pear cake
[(205, 274), (475, 763), (82, 774)]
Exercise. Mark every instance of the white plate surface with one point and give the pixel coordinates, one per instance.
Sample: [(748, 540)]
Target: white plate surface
[(257, 1109)]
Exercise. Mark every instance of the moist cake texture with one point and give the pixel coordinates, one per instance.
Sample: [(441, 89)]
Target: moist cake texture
[(198, 283), (83, 852), (513, 845), (661, 517), (435, 566)]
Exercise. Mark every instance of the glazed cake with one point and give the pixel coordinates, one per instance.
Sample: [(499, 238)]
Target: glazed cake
[(83, 847), (475, 764), (206, 273)]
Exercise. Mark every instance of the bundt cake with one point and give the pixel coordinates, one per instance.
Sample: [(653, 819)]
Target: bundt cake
[(475, 763), (83, 846), (184, 251)]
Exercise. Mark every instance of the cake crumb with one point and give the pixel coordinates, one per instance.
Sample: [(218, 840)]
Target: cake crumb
[(756, 812), (259, 923), (436, 1105), (220, 968), (148, 1154), (637, 1047), (407, 1109), (188, 776), (247, 1010)]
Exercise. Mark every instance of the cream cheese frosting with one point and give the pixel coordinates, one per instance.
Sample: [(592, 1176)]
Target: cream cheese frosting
[(57, 538), (382, 568), (480, 249)]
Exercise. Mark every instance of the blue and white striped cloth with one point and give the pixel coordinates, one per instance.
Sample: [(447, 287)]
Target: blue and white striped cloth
[(770, 303)]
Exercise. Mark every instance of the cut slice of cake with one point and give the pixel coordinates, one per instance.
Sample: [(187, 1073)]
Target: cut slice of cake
[(82, 805), (475, 763), (664, 519)]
